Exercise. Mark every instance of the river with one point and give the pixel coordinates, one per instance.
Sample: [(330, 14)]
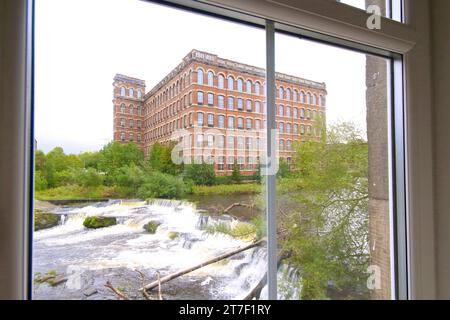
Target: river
[(89, 258)]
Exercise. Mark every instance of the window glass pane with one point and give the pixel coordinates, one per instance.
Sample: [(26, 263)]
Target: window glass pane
[(386, 8), (148, 169), (333, 178)]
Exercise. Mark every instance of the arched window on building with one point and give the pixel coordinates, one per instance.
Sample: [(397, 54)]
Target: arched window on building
[(314, 99), (200, 76), (302, 97), (308, 98), (257, 88), (230, 83), (131, 109), (288, 94), (240, 85), (139, 93), (249, 86), (122, 91), (257, 107), (210, 78), (281, 127), (221, 81), (122, 108), (131, 92), (280, 92), (281, 110), (294, 95)]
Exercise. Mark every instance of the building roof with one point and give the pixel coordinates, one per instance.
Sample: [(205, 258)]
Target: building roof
[(214, 60), (127, 79)]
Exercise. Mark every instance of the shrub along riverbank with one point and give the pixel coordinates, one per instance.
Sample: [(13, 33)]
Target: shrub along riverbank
[(120, 171)]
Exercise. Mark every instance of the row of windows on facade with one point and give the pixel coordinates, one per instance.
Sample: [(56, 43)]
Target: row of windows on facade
[(131, 109), (244, 163), (238, 143), (250, 88), (130, 93), (249, 104), (248, 123), (283, 128), (130, 137), (186, 121)]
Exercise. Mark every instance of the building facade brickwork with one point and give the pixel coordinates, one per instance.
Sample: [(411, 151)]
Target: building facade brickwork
[(217, 108)]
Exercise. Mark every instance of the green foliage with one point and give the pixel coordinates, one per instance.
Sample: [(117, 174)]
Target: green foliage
[(151, 226), (57, 167), (326, 226), (257, 175), (283, 169), (74, 192), (95, 222), (90, 159), (236, 174), (161, 185), (40, 183), (223, 180), (130, 177), (88, 177), (227, 189), (39, 160), (160, 159), (116, 155), (200, 174), (240, 230)]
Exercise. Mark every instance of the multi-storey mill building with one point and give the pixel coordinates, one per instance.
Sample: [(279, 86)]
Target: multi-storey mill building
[(220, 106)]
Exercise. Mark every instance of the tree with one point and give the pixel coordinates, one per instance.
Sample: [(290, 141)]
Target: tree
[(57, 167), (283, 169), (236, 173), (160, 159), (257, 175), (88, 177), (324, 215), (90, 159), (39, 160), (200, 174), (130, 177), (115, 155), (39, 181), (161, 185)]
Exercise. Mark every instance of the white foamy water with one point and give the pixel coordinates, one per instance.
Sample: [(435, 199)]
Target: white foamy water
[(127, 245)]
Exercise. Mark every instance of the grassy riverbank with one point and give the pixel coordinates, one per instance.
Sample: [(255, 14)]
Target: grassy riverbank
[(75, 192)]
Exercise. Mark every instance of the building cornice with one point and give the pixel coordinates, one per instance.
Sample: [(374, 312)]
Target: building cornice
[(214, 60), (127, 79)]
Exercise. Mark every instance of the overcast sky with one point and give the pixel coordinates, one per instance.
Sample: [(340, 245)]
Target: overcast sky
[(81, 45)]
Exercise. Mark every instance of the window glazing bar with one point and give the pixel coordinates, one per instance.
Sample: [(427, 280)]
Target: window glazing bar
[(272, 164), (399, 223)]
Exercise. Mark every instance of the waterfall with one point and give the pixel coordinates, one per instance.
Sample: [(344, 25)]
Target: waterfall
[(179, 242)]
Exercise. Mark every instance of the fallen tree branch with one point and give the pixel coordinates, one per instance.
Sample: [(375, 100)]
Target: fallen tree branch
[(144, 293), (238, 204), (120, 294), (167, 278), (159, 286)]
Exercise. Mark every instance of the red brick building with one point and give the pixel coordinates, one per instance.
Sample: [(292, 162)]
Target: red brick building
[(217, 106)]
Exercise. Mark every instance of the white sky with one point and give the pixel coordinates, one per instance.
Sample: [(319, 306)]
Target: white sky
[(81, 45)]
